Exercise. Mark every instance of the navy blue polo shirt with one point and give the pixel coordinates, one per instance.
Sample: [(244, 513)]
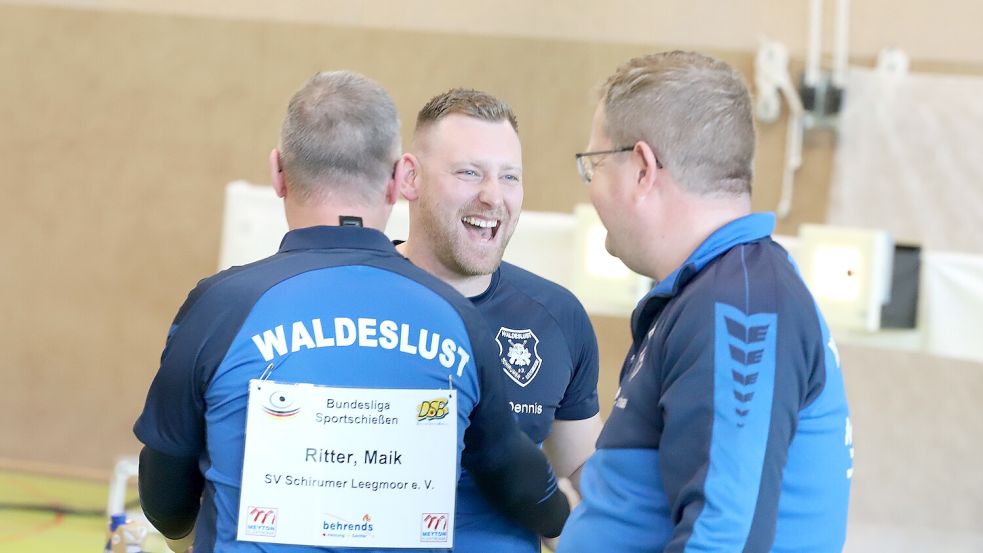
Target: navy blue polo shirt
[(547, 352), (730, 431), (335, 306)]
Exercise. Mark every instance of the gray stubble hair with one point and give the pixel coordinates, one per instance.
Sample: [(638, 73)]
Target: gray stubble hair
[(340, 136)]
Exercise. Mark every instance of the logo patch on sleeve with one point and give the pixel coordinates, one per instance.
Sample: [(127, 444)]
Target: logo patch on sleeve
[(518, 351)]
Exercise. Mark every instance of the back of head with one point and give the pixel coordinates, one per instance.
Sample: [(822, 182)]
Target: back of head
[(340, 137), (468, 102), (694, 112)]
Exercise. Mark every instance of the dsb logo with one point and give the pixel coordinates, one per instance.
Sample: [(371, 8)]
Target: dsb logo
[(432, 410)]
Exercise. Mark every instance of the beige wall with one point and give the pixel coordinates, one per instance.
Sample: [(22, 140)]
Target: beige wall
[(119, 129), (917, 425), (929, 30)]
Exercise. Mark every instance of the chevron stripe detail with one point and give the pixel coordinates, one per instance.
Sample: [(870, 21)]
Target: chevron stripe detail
[(736, 329), (746, 357), (743, 398), (757, 334), (744, 379), (752, 335)]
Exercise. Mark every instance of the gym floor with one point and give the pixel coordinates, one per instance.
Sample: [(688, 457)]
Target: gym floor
[(52, 514), (55, 514)]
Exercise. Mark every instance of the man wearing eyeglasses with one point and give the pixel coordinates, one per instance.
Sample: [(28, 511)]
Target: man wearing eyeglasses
[(464, 184), (730, 430)]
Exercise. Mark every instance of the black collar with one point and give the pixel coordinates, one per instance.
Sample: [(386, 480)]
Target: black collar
[(321, 237)]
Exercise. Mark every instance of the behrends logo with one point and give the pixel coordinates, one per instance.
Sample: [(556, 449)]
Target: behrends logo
[(338, 527), (434, 409), (519, 353), (433, 527), (261, 521), (281, 404)]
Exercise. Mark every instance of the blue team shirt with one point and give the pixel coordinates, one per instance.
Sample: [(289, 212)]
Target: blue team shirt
[(335, 306), (730, 431), (547, 351)]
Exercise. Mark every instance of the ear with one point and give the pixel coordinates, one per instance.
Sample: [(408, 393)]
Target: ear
[(406, 176), (647, 170), (392, 186), (276, 174)]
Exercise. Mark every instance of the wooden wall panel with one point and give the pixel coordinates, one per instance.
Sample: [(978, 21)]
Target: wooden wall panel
[(120, 131)]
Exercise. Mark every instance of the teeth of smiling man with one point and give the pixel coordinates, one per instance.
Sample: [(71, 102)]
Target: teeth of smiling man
[(480, 222)]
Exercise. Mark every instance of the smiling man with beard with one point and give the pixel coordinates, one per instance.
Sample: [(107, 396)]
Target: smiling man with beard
[(463, 178), (333, 166)]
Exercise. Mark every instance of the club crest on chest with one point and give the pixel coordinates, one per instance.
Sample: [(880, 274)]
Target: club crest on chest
[(518, 350)]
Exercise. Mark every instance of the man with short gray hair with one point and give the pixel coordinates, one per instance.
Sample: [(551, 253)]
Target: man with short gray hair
[(730, 430), (339, 129), (368, 383)]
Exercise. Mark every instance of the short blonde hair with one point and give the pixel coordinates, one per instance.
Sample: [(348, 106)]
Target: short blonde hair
[(465, 101)]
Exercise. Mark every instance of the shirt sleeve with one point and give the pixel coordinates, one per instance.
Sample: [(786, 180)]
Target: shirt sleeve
[(170, 492), (730, 411), (580, 399), (173, 417), (511, 472)]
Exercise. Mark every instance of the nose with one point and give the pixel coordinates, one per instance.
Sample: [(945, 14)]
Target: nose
[(490, 193)]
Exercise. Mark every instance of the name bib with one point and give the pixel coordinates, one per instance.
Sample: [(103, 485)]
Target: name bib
[(349, 467)]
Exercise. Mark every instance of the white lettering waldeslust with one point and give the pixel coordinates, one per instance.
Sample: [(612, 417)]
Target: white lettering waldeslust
[(365, 333)]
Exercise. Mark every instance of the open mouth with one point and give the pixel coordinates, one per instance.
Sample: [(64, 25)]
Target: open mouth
[(483, 229)]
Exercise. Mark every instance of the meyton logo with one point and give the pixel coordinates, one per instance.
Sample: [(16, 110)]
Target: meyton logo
[(261, 521), (518, 350), (433, 527), (433, 409), (281, 404)]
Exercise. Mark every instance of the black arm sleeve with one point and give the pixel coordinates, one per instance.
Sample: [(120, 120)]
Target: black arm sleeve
[(170, 491), (512, 473)]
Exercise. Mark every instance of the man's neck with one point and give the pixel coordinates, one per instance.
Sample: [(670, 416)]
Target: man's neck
[(689, 227), (468, 286), (302, 216)]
